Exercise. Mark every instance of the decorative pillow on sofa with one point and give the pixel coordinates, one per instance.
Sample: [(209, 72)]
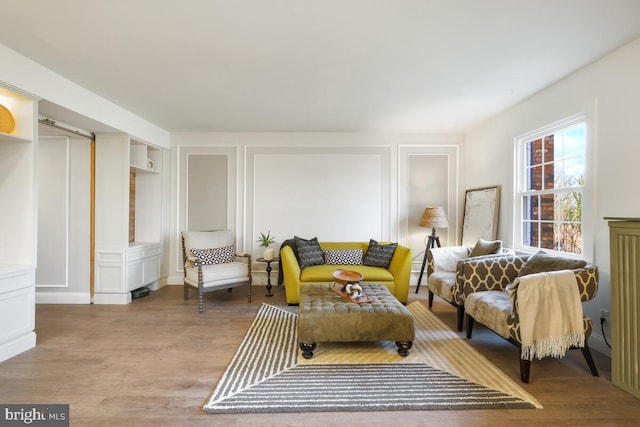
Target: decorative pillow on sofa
[(379, 255), (309, 252), (542, 261), (486, 247), (215, 255), (343, 256)]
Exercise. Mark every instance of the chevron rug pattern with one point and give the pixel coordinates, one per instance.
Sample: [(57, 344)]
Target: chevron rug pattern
[(269, 374)]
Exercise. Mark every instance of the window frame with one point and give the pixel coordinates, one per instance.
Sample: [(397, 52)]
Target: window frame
[(520, 179)]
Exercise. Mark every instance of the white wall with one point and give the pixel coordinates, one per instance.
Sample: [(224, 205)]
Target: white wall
[(336, 186), (607, 91)]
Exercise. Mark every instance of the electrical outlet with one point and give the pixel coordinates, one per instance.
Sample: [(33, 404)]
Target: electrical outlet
[(604, 314)]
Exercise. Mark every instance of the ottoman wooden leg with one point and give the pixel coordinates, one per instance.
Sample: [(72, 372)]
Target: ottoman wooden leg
[(404, 347), (307, 349)]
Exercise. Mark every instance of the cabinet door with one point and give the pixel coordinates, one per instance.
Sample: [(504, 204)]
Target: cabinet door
[(151, 269), (134, 275)]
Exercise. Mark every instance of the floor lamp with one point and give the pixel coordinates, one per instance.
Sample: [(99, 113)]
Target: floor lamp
[(433, 217)]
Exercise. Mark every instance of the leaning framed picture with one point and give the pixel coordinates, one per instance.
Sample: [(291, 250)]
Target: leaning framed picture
[(480, 217)]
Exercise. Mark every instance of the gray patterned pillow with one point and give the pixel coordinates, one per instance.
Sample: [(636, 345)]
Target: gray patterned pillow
[(309, 252), (379, 255)]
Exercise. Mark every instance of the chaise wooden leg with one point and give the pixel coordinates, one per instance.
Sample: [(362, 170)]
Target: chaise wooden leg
[(525, 367), (470, 321), (587, 356), (430, 299), (460, 310)]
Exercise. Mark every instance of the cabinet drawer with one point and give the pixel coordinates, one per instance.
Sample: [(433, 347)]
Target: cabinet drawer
[(152, 250)]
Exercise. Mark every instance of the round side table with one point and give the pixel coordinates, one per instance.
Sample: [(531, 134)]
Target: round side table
[(268, 261)]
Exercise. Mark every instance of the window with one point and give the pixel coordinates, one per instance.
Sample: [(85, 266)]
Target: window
[(551, 183)]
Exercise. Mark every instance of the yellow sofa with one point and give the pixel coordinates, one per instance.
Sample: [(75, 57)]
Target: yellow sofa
[(396, 277)]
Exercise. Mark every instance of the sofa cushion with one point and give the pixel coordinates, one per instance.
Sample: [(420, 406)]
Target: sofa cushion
[(379, 255), (210, 256), (491, 308), (343, 256), (441, 284), (309, 252), (486, 247), (324, 273), (217, 274), (542, 261)]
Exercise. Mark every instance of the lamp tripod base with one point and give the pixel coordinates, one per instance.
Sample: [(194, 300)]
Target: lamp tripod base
[(433, 240)]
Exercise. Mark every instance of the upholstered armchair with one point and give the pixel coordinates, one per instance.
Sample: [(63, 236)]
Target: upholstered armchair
[(211, 263), (496, 310), (446, 273)]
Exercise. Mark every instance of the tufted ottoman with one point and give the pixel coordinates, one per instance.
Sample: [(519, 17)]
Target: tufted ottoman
[(325, 317)]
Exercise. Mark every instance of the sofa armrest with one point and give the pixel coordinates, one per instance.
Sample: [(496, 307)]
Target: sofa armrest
[(587, 279), (489, 273), (291, 274), (400, 267)]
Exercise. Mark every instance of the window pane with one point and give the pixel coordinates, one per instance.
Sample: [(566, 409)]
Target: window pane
[(549, 176), (530, 209), (569, 206), (547, 240), (534, 152), (530, 234), (547, 207), (569, 238), (534, 178), (574, 140), (573, 172)]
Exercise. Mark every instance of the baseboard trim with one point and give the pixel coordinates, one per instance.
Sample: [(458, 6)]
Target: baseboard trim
[(63, 297), (17, 346)]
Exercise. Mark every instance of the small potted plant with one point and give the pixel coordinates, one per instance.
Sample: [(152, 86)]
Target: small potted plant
[(265, 241)]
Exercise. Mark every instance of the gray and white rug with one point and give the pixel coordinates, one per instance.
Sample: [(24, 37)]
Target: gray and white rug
[(268, 373)]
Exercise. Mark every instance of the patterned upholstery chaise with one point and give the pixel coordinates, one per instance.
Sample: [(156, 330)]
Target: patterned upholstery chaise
[(446, 272), (493, 307)]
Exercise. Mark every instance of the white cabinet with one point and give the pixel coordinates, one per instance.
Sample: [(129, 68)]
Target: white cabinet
[(18, 150), (129, 196)]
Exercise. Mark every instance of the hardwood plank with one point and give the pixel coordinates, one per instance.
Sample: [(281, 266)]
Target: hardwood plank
[(156, 361)]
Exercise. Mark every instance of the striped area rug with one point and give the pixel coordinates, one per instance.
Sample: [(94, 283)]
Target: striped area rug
[(269, 374)]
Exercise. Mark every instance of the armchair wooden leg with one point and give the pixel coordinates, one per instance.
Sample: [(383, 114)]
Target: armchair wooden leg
[(587, 356), (470, 321), (525, 367), (201, 302), (430, 299), (460, 313)]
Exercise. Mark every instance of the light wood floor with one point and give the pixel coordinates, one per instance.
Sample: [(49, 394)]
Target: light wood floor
[(154, 362)]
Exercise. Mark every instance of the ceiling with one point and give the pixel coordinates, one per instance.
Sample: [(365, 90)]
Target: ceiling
[(315, 65)]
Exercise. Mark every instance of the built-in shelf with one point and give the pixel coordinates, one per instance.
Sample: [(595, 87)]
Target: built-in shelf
[(129, 182), (7, 137), (18, 153)]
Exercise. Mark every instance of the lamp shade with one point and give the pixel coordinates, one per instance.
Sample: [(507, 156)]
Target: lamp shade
[(434, 217)]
